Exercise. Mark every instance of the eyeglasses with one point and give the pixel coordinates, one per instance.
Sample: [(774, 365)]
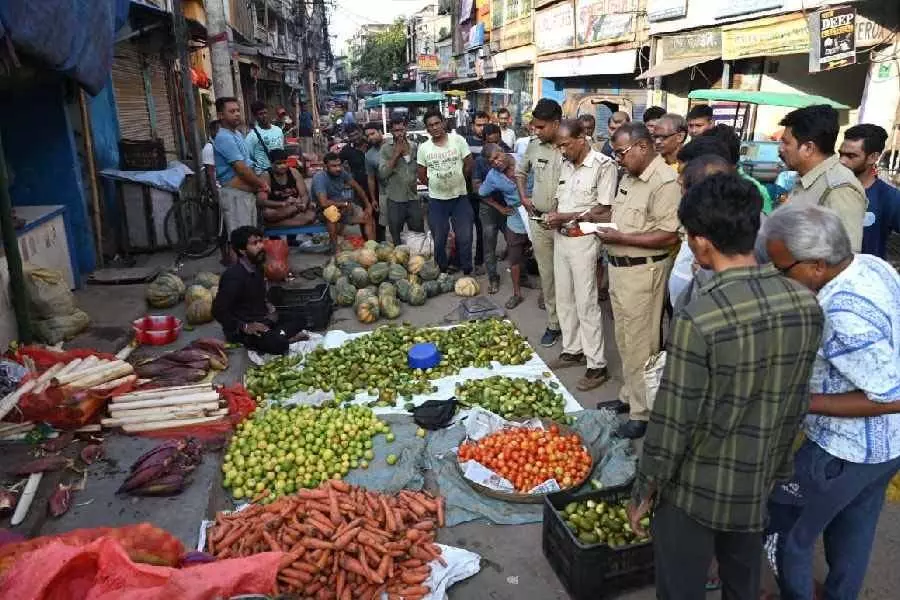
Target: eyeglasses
[(785, 270), (660, 137), (620, 154)]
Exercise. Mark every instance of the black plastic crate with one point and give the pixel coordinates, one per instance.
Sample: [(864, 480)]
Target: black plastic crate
[(311, 306), (593, 571)]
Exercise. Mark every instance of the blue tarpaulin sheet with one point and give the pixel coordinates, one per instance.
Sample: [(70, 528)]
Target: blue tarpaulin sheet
[(74, 37)]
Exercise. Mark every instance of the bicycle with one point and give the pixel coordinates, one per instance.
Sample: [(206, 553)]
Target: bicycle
[(193, 225)]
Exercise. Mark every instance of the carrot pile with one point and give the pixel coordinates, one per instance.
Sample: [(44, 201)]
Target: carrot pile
[(341, 542)]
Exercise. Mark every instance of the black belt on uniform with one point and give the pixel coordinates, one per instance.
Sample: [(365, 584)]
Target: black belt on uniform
[(633, 261)]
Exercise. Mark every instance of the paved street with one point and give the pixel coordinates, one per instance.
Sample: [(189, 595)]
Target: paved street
[(513, 566)]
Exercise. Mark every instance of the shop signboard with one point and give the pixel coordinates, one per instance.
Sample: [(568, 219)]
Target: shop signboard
[(773, 36), (734, 8), (663, 10), (427, 63), (554, 28), (703, 42), (599, 22), (832, 38), (516, 33), (870, 33)]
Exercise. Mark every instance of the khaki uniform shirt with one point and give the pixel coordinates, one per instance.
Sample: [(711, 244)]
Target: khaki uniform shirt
[(832, 185), (400, 182), (545, 161), (584, 186), (646, 203)]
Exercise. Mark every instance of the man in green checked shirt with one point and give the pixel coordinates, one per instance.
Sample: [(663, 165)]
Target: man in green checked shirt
[(733, 394)]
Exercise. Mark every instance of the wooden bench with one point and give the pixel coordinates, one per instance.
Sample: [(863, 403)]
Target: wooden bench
[(312, 228)]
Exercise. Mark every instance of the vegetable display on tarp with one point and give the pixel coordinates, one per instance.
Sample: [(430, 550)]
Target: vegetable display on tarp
[(165, 407), (513, 398), (346, 540), (188, 365)]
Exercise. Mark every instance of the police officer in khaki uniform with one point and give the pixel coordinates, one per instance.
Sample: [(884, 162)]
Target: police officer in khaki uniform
[(587, 185), (543, 160), (645, 213), (807, 147)]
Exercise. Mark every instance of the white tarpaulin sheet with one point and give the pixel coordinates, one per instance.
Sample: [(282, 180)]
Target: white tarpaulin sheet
[(533, 370)]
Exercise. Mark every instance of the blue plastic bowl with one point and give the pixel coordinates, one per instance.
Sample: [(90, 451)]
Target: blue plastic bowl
[(423, 356)]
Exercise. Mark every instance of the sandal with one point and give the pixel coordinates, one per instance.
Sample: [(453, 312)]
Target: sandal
[(513, 302)]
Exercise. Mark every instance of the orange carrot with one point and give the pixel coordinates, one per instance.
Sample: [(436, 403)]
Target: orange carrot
[(412, 563), (312, 588), (413, 578), (297, 574), (316, 494), (234, 535), (384, 566), (335, 513), (274, 546), (339, 485), (304, 566), (341, 581), (291, 557), (345, 538), (292, 582), (424, 525), (311, 542), (440, 510)]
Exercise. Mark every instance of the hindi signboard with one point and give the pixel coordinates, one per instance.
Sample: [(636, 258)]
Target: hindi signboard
[(554, 28)]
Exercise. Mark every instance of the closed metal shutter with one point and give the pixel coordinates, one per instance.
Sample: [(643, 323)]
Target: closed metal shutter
[(162, 106), (128, 85)]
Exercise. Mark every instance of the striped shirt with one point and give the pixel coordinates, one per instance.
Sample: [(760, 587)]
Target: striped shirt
[(732, 398)]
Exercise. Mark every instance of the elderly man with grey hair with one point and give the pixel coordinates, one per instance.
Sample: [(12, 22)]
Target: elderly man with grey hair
[(852, 446), (669, 136)]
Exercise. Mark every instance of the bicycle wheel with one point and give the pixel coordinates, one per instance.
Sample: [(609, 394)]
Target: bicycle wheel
[(192, 227)]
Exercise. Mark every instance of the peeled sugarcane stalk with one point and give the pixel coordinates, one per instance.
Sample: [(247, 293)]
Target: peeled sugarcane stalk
[(4, 427), (84, 373), (190, 398), (25, 500), (15, 432), (173, 423), (89, 362), (8, 403), (161, 392), (157, 409), (111, 385), (166, 415), (71, 366), (108, 373)]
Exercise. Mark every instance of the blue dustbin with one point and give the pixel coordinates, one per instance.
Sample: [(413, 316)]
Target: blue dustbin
[(423, 356)]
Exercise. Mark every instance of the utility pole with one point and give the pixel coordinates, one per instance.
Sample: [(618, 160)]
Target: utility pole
[(187, 86), (219, 54)]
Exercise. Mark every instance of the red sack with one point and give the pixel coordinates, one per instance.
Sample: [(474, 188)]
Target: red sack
[(276, 259), (101, 570)]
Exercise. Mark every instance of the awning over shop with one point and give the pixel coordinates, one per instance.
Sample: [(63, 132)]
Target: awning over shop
[(610, 63), (465, 80), (667, 67)]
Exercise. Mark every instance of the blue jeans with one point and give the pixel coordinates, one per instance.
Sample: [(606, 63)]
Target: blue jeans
[(841, 501), (440, 215)]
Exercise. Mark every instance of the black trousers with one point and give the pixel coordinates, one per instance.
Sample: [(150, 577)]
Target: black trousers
[(276, 340), (475, 200), (684, 550)]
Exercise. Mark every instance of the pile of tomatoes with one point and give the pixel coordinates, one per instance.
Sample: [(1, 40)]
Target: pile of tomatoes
[(529, 457)]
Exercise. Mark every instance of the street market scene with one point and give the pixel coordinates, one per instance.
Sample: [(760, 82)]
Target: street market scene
[(466, 299)]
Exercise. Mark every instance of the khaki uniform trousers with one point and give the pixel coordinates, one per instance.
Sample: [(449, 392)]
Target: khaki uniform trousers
[(542, 241), (637, 295), (575, 265)]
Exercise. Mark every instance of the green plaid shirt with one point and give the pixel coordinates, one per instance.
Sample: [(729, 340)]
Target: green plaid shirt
[(732, 397)]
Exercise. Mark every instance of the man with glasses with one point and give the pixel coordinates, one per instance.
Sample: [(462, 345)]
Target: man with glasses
[(645, 215), (397, 170), (669, 135), (852, 446)]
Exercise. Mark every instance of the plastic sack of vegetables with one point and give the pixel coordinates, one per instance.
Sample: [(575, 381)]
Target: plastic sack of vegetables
[(276, 259)]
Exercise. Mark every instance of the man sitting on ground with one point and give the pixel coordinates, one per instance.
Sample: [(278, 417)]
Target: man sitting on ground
[(333, 186), (241, 307), (287, 203)]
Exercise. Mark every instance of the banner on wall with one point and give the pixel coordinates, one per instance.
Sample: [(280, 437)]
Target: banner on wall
[(773, 36), (554, 28), (832, 38), (600, 22), (663, 10), (703, 42)]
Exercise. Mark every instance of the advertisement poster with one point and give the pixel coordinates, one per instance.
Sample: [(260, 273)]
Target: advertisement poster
[(554, 28), (832, 39), (773, 36), (605, 21)]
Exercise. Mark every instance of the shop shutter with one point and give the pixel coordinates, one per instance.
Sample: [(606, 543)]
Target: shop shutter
[(162, 107), (128, 85)]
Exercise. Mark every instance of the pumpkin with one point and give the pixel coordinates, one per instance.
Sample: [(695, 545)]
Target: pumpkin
[(359, 277), (414, 279), (344, 257), (165, 291), (417, 294), (345, 292), (372, 289), (200, 310), (401, 255), (390, 307), (387, 289), (371, 245), (397, 272), (446, 282), (197, 292), (368, 311), (348, 267), (207, 279), (429, 271), (385, 251), (331, 272), (366, 257), (379, 272), (403, 290), (415, 264), (363, 295), (466, 287), (347, 245), (432, 288)]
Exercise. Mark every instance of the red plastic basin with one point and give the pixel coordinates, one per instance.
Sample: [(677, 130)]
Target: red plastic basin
[(156, 330)]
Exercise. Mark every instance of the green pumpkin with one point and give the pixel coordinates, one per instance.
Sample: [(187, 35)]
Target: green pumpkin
[(387, 289), (385, 251), (344, 257), (207, 279), (432, 288), (403, 290), (348, 267), (397, 272), (379, 272), (390, 307), (446, 283), (200, 310), (359, 277), (346, 246), (371, 245), (417, 294), (331, 272), (165, 291), (401, 255), (345, 292), (429, 271), (363, 295)]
